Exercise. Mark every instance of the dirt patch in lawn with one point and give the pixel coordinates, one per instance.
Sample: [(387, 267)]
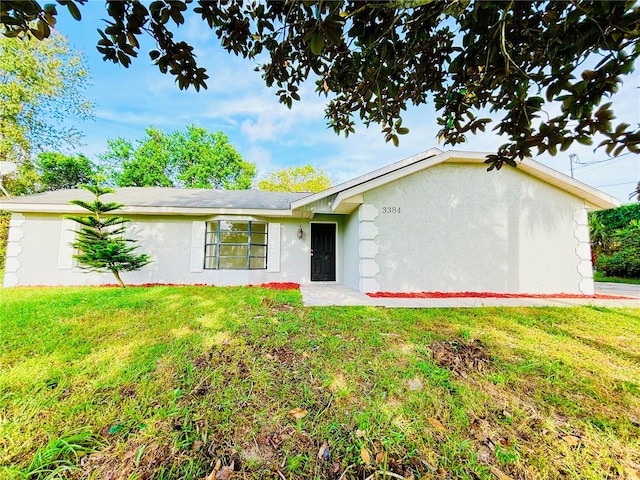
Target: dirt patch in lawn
[(461, 357)]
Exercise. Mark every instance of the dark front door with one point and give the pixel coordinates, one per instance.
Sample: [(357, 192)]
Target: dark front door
[(323, 252)]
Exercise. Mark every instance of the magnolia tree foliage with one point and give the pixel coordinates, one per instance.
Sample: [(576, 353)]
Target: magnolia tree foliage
[(100, 244), (40, 88), (195, 158), (303, 178), (373, 59)]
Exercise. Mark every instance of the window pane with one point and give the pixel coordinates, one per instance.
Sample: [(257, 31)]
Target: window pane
[(226, 226), (210, 251), (258, 227), (233, 250), (233, 263), (260, 238), (257, 263), (234, 237), (211, 237), (210, 263), (257, 251)]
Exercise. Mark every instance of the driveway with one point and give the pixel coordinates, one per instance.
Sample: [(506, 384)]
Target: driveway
[(621, 289), (332, 294)]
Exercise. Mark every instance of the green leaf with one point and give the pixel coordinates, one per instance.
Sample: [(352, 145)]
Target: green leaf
[(73, 10), (317, 43)]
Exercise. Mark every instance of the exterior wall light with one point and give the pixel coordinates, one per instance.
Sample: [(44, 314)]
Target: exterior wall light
[(300, 233)]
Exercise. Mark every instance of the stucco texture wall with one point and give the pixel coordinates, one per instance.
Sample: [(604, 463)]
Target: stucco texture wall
[(457, 227), (44, 257)]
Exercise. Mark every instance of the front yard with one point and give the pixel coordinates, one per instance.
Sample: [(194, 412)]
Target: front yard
[(218, 383)]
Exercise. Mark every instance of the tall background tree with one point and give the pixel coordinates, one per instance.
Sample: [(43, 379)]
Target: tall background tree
[(304, 178), (544, 70), (41, 86), (145, 164), (41, 82), (194, 158)]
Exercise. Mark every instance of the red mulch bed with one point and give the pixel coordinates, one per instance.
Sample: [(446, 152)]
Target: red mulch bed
[(491, 295), (281, 285)]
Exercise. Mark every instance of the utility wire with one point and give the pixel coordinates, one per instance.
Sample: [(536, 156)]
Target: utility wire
[(603, 163), (586, 164), (616, 184)]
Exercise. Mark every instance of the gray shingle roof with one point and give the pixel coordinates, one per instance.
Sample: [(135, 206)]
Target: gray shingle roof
[(171, 197)]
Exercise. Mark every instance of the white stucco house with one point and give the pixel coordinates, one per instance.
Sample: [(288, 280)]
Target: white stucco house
[(434, 222)]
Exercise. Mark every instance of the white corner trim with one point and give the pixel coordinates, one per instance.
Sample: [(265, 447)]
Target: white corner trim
[(14, 249), (583, 251), (368, 248)]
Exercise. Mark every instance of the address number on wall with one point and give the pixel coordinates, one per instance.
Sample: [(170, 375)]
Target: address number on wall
[(390, 209)]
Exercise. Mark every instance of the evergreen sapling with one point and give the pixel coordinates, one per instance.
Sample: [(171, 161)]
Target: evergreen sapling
[(100, 244)]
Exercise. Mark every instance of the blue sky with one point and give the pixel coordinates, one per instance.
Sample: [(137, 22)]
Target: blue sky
[(128, 100)]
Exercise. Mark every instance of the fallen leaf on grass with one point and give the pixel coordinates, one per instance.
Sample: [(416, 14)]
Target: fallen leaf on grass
[(225, 473), (298, 413), (214, 472), (436, 424), (360, 433), (365, 455), (323, 453), (380, 457), (571, 440), (499, 474)]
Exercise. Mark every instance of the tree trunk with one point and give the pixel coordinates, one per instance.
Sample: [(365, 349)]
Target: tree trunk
[(117, 275)]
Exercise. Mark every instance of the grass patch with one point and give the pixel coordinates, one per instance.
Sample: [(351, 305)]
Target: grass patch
[(176, 382), (600, 277)]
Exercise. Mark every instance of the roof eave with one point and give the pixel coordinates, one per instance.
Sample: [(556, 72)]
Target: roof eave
[(298, 204), (66, 209), (347, 200), (594, 198)]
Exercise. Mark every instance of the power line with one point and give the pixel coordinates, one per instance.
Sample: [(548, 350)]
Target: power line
[(594, 162), (616, 184), (603, 163)]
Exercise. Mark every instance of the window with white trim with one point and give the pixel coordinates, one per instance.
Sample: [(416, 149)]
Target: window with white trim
[(235, 245)]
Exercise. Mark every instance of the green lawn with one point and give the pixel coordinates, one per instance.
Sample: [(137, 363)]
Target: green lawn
[(600, 277), (169, 383)]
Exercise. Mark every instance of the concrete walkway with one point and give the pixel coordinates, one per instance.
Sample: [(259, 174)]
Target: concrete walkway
[(331, 294)]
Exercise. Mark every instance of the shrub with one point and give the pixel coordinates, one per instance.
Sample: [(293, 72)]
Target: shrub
[(625, 262), (604, 225)]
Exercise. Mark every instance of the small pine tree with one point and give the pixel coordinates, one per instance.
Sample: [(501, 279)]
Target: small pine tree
[(100, 244)]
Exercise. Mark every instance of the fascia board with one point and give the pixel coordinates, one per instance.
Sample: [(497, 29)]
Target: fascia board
[(595, 198), (165, 211), (391, 176)]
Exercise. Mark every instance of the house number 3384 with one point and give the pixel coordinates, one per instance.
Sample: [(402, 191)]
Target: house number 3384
[(390, 209)]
